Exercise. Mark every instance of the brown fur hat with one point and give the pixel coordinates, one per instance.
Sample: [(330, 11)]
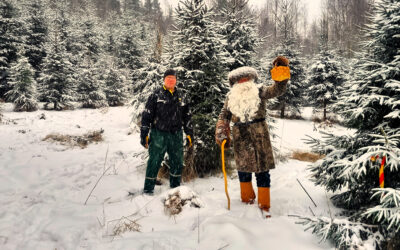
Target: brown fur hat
[(242, 72), (281, 61)]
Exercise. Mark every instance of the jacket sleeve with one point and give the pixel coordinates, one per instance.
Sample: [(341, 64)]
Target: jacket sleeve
[(187, 120), (222, 129), (277, 89), (149, 113), (225, 114)]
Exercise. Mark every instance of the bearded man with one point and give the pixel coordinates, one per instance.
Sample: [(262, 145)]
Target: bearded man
[(245, 106)]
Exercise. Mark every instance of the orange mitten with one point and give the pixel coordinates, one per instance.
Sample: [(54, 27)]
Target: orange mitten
[(280, 73)]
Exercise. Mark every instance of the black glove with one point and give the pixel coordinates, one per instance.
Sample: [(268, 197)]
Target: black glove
[(144, 137)]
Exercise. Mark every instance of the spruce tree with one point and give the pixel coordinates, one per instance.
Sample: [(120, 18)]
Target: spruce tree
[(199, 57), (242, 40), (130, 50), (133, 6), (350, 168), (294, 95), (287, 45), (150, 77), (58, 77), (22, 81), (325, 81), (88, 34), (36, 32), (110, 34), (11, 34), (115, 82), (90, 87)]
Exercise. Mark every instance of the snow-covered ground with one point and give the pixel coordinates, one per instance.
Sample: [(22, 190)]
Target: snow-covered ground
[(43, 187)]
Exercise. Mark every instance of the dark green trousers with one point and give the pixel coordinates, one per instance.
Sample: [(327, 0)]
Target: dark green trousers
[(160, 143)]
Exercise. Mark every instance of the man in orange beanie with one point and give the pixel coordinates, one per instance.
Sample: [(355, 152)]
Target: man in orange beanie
[(166, 113)]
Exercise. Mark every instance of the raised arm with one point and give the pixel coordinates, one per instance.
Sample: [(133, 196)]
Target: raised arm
[(276, 89), (280, 74)]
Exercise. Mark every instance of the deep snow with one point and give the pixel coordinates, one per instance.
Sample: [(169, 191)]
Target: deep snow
[(43, 187)]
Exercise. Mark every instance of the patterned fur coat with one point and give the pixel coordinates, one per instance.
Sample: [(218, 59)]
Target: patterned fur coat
[(251, 140)]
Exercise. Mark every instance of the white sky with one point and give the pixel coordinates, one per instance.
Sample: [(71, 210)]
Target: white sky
[(314, 6)]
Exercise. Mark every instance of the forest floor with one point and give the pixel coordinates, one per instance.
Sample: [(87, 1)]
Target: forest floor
[(44, 185)]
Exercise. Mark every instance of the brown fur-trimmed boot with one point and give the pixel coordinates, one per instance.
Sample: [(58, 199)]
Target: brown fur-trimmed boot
[(264, 200), (247, 193)]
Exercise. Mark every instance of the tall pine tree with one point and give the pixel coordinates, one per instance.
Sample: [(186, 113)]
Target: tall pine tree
[(36, 32), (287, 46), (129, 44), (242, 40), (325, 81), (22, 81), (200, 59), (90, 87), (10, 39), (352, 164), (57, 79), (150, 77)]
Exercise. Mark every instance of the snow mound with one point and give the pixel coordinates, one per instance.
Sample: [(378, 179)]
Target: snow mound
[(178, 197)]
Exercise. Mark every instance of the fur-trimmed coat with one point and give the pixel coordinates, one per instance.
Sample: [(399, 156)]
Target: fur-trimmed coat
[(251, 142)]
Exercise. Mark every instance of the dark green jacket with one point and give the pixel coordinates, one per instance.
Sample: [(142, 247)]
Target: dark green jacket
[(168, 112)]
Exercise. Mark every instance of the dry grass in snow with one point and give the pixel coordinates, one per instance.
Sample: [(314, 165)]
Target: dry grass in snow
[(306, 156), (76, 140)]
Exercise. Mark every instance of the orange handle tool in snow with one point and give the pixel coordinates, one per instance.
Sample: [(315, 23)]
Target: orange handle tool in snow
[(381, 170), (381, 173), (223, 170)]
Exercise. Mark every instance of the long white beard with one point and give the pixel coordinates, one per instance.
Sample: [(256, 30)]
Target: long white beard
[(244, 100)]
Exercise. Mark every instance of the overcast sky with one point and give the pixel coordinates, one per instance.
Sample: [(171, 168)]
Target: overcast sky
[(314, 6)]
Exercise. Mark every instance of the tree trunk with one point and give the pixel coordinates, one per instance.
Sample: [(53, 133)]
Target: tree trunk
[(283, 110), (324, 110)]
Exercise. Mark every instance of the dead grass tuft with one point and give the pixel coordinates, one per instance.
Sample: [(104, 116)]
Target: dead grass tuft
[(306, 156), (125, 225), (81, 141)]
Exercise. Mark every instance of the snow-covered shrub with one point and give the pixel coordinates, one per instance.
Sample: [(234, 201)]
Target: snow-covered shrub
[(178, 197)]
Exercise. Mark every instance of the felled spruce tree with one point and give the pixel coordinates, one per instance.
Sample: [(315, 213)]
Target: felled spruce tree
[(372, 107), (23, 93), (200, 59)]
